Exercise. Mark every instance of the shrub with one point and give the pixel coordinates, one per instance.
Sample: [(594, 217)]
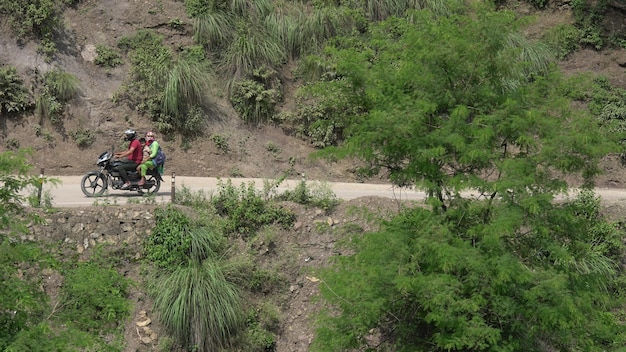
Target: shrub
[(48, 336), (107, 57), (451, 282), (94, 298), (83, 137), (255, 99), (254, 103), (58, 88), (176, 239), (221, 142), (171, 90), (21, 302), (318, 194), (35, 19), (12, 143), (563, 39), (246, 210), (13, 94)]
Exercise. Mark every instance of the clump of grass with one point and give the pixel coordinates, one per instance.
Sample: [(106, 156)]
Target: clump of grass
[(198, 305)]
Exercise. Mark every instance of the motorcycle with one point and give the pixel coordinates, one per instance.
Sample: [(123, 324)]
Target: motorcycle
[(95, 183)]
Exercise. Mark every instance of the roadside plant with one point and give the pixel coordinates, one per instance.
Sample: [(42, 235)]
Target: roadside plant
[(12, 143), (94, 298), (176, 239), (255, 99), (507, 267), (221, 142), (245, 210), (22, 304), (317, 194), (40, 19), (15, 177), (198, 305), (51, 336), (13, 94)]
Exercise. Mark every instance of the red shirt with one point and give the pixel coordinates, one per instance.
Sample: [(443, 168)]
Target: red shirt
[(137, 153)]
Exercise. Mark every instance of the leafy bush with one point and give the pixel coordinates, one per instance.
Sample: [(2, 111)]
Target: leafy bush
[(246, 210), (255, 99), (48, 336), (564, 39), (318, 194), (13, 94), (94, 298), (12, 143), (323, 111), (195, 199), (83, 137), (35, 19), (176, 239), (21, 302), (171, 90), (107, 57), (221, 142), (258, 336), (15, 178)]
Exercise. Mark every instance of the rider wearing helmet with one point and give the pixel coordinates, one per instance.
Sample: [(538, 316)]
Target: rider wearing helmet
[(134, 155)]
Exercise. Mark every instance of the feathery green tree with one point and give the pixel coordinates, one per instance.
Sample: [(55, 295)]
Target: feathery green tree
[(456, 105), (21, 301)]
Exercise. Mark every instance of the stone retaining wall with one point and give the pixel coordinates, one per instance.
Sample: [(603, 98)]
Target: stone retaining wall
[(86, 227)]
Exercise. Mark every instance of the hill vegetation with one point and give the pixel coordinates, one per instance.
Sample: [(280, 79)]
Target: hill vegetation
[(441, 96)]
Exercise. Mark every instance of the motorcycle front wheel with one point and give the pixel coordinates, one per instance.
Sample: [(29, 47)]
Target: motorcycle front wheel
[(93, 184)]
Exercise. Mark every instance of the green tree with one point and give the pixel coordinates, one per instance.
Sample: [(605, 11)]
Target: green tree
[(21, 301), (463, 103)]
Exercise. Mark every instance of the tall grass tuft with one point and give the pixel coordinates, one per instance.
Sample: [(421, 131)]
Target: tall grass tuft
[(532, 58), (378, 10), (186, 86), (213, 29), (198, 306), (251, 48), (62, 85), (287, 29)]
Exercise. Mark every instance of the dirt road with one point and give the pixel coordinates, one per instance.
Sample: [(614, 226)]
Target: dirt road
[(68, 194)]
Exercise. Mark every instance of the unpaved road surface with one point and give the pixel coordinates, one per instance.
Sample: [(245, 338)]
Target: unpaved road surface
[(68, 193)]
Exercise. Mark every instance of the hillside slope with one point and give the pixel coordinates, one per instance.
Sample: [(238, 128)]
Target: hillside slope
[(94, 23), (251, 151)]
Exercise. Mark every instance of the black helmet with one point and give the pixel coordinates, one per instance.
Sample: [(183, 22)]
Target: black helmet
[(130, 135)]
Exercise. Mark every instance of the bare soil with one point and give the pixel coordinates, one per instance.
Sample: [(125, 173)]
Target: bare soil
[(298, 251)]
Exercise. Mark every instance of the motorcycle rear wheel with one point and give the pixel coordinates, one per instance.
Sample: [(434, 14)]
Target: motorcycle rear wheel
[(93, 184), (153, 183)]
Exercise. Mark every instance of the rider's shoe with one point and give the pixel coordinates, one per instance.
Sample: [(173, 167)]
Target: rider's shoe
[(125, 186)]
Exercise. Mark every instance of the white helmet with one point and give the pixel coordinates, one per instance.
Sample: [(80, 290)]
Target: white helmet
[(130, 135)]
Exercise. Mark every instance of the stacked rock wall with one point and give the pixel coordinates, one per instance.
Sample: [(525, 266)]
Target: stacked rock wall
[(86, 227)]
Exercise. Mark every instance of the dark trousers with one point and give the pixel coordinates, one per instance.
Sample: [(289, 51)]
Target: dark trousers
[(124, 167)]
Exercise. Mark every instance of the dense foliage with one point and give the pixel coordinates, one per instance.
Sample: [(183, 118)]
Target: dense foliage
[(13, 94), (463, 103), (93, 298)]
